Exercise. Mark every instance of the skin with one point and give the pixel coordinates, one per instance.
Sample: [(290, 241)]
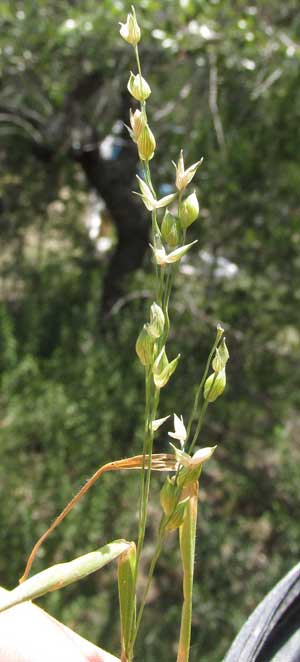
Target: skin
[(29, 634)]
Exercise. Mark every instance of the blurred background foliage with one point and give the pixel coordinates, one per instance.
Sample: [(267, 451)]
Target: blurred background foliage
[(76, 285)]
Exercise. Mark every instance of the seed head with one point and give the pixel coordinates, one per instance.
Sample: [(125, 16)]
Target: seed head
[(184, 177), (162, 258), (221, 357), (195, 461), (138, 87), (162, 369), (178, 516), (144, 347), (179, 430), (130, 31), (170, 230), (189, 210), (168, 496), (148, 198), (146, 144), (157, 321), (215, 385), (158, 422), (137, 123)]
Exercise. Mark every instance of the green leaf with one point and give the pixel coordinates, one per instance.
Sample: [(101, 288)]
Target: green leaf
[(187, 538), (126, 581), (62, 574)]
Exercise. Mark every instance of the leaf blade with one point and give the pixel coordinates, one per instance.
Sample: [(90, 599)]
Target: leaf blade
[(63, 574)]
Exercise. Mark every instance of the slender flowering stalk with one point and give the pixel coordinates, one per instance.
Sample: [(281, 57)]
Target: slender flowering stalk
[(169, 246), (171, 217)]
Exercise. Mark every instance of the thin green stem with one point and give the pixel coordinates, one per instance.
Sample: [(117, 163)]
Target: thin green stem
[(161, 286), (200, 387), (187, 536), (147, 173), (136, 50), (201, 415), (147, 474), (149, 182), (141, 528), (161, 535), (150, 414), (163, 289), (199, 425), (149, 451), (145, 444), (165, 306), (149, 579)]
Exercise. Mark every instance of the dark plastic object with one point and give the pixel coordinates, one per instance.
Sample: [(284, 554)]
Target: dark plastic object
[(272, 632)]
